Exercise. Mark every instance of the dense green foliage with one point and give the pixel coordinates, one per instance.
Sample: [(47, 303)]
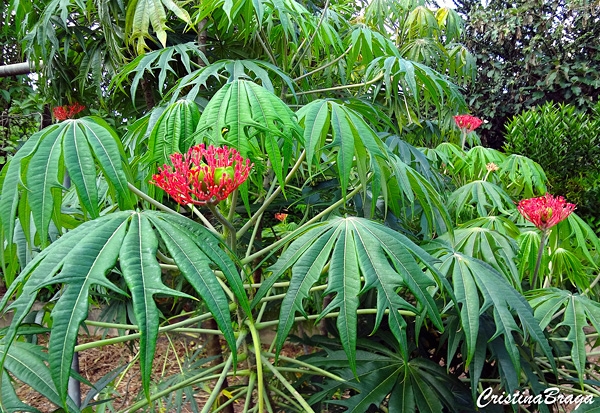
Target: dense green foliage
[(416, 264)]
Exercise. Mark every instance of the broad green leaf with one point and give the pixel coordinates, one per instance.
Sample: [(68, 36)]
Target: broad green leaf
[(578, 311), (143, 13), (194, 265), (142, 274), (387, 260), (81, 168), (416, 384), (498, 250), (414, 186), (42, 177), (109, 153), (86, 265), (251, 119), (26, 362), (479, 198), (172, 132), (35, 175), (522, 177), (353, 142), (479, 287)]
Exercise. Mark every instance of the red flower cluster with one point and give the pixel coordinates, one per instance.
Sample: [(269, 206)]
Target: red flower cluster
[(545, 211), (205, 175), (67, 111), (467, 122)]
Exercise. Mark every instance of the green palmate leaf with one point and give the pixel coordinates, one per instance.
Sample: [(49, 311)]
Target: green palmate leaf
[(498, 250), (158, 59), (172, 132), (499, 224), (143, 13), (82, 257), (416, 384), (353, 141), (387, 261), (11, 182), (479, 198), (251, 119), (575, 235), (522, 177), (195, 266), (578, 312), (142, 274), (479, 287), (256, 70), (415, 187), (476, 161), (25, 361), (38, 169)]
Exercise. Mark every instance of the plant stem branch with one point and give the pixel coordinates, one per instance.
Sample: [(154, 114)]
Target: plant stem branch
[(229, 228), (287, 385), (301, 229), (341, 87), (226, 367), (325, 66), (539, 258), (271, 198)]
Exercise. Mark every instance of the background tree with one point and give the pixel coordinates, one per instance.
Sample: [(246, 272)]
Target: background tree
[(530, 52)]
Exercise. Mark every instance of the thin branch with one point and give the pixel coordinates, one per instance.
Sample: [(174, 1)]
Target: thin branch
[(325, 66), (342, 87)]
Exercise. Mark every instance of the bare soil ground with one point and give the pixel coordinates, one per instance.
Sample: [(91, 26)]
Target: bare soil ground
[(98, 362)]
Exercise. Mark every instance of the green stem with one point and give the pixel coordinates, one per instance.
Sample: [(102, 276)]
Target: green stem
[(150, 200), (250, 389), (325, 66), (272, 197), (229, 228), (259, 371), (287, 385), (134, 336), (271, 323), (539, 258), (219, 384), (316, 369), (299, 56), (204, 220), (341, 87), (463, 138), (301, 229)]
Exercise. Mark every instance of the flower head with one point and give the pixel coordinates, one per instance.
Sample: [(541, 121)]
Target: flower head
[(545, 211), (204, 175), (491, 167), (280, 216), (467, 123), (67, 111)]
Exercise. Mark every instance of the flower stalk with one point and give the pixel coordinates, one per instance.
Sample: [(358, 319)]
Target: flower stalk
[(544, 212)]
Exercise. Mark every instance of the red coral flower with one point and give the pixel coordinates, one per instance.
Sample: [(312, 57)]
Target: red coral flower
[(280, 216), (545, 211), (467, 122), (205, 175), (67, 111)]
